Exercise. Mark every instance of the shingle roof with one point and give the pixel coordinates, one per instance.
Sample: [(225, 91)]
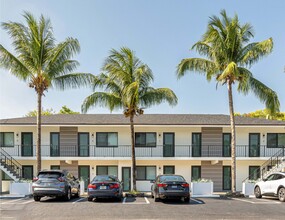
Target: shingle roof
[(146, 119)]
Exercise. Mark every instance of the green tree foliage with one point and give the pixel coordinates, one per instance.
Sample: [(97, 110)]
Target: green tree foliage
[(41, 61), (66, 110), (265, 113), (34, 113), (126, 85), (228, 55)]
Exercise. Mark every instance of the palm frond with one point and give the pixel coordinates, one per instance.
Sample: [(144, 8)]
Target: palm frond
[(199, 65), (73, 80), (11, 63), (265, 95), (157, 96), (102, 99), (255, 51)]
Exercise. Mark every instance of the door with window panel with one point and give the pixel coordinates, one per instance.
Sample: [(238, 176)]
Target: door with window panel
[(27, 144), (168, 145), (226, 144), (83, 144), (254, 145), (54, 144), (196, 145)]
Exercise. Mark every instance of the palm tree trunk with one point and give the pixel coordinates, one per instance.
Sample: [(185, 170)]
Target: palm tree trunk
[(133, 153), (39, 124), (233, 134)]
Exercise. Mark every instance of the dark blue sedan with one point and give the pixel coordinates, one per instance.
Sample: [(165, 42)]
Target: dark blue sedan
[(105, 186), (170, 186)]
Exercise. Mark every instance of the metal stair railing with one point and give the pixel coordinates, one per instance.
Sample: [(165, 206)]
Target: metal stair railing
[(12, 165), (276, 163)]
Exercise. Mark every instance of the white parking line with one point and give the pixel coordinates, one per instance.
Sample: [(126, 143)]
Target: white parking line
[(78, 200), (136, 203), (12, 201), (146, 200), (195, 200), (28, 202), (266, 202), (124, 200)]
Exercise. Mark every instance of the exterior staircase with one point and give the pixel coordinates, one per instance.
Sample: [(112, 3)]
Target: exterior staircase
[(10, 166), (276, 163)]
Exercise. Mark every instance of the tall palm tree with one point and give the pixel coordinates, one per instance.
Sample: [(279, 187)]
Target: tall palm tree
[(40, 61), (228, 56), (126, 83)]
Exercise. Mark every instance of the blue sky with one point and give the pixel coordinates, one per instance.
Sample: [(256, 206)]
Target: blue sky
[(161, 32)]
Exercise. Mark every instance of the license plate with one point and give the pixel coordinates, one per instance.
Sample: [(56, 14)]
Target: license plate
[(174, 187), (103, 187)]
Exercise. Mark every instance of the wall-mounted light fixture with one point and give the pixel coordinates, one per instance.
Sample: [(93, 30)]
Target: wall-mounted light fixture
[(17, 134), (92, 168), (263, 135), (92, 134), (159, 135), (159, 167)]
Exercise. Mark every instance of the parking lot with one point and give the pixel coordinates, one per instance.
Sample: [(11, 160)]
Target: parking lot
[(142, 208)]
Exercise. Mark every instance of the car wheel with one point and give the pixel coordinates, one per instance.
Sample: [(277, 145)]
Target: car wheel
[(90, 199), (186, 199), (67, 196), (257, 192), (281, 194), (37, 198)]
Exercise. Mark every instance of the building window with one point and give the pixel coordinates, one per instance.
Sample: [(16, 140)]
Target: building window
[(7, 139), (168, 169), (107, 139), (5, 176), (107, 170), (254, 172), (55, 167), (145, 139), (27, 172), (146, 172), (276, 140), (195, 173)]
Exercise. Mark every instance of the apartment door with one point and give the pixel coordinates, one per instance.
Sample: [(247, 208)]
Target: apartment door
[(54, 144), (83, 144), (126, 178), (254, 145), (27, 144), (227, 177), (84, 174), (196, 144), (168, 145)]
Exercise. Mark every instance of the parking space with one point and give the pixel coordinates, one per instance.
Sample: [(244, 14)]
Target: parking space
[(263, 201), (142, 208)]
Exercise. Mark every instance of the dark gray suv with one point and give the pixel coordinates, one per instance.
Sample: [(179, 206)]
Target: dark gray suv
[(55, 183)]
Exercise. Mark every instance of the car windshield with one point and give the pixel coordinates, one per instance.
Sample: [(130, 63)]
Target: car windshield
[(171, 178), (49, 175), (104, 178)]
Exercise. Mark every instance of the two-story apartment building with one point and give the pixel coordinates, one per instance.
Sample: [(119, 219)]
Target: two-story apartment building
[(195, 146)]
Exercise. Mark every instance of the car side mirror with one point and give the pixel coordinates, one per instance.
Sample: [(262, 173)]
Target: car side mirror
[(152, 181)]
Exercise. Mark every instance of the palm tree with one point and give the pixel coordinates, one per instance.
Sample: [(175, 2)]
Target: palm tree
[(126, 83), (41, 62), (228, 56)]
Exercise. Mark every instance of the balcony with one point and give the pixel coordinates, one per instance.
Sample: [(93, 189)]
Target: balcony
[(189, 151)]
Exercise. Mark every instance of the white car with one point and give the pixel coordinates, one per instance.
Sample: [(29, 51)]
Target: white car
[(273, 185)]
